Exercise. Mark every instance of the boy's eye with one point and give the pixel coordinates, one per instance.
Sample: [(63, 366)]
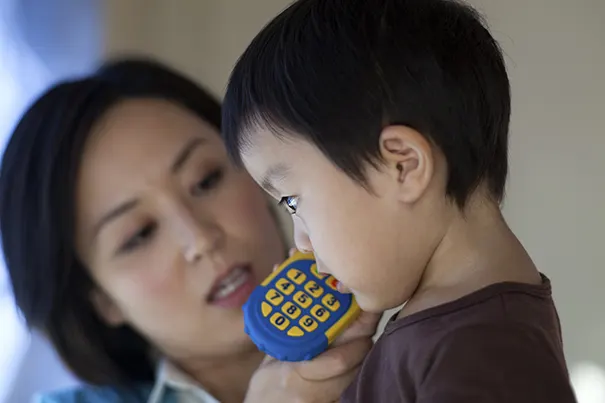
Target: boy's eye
[(209, 182), (291, 203), (138, 239)]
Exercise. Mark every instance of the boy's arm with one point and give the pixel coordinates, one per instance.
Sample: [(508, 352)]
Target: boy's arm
[(496, 364)]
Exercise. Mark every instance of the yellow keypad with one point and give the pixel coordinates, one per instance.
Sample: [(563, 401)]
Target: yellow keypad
[(316, 273), (308, 323), (284, 286), (279, 321), (320, 313), (297, 276), (331, 302), (306, 292), (295, 331), (274, 297), (302, 299), (291, 310), (314, 289), (266, 309)]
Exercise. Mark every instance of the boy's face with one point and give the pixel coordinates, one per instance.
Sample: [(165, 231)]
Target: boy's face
[(377, 242)]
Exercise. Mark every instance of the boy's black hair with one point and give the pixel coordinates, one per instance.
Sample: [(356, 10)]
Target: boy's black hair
[(37, 200), (336, 72)]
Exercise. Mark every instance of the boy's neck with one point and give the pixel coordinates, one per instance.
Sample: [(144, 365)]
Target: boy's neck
[(477, 249)]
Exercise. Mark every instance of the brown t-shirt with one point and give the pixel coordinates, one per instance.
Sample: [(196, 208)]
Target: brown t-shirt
[(501, 344)]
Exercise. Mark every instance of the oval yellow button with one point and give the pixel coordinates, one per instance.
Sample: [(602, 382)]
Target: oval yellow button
[(295, 331), (266, 308)]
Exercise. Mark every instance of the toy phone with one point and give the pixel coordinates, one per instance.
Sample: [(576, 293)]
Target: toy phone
[(296, 313)]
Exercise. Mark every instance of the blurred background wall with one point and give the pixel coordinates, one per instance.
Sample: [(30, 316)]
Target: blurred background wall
[(555, 51)]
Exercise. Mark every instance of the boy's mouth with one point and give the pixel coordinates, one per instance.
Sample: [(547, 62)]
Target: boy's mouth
[(333, 281), (335, 284), (342, 288)]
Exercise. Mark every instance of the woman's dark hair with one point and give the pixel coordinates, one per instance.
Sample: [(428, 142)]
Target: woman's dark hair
[(37, 180)]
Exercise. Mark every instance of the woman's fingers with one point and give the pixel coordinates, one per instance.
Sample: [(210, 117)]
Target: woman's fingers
[(335, 361), (364, 327)]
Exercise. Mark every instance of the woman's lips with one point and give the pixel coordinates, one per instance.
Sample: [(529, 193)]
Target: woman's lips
[(233, 290)]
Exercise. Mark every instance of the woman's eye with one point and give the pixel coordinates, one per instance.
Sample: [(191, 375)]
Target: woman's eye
[(291, 203), (209, 182), (141, 237)]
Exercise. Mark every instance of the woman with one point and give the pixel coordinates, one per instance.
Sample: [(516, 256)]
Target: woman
[(132, 242)]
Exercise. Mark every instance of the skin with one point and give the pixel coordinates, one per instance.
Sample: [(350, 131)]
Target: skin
[(157, 261), (404, 241)]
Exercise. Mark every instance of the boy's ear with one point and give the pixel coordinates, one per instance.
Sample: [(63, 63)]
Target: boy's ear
[(409, 159), (106, 308)]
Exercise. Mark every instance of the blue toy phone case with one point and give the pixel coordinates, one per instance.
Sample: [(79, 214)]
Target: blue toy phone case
[(296, 313)]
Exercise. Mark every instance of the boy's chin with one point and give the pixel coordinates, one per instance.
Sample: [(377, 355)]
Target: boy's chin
[(370, 304), (377, 303)]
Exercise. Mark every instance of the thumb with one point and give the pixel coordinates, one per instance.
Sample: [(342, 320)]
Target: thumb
[(334, 361), (267, 360), (365, 326)]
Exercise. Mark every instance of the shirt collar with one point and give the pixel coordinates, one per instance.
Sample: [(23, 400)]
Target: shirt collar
[(169, 376)]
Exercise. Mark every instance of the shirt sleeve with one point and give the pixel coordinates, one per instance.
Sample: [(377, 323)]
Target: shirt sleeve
[(495, 364)]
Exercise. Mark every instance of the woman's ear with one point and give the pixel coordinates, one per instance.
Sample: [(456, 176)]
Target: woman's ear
[(408, 157), (106, 308)]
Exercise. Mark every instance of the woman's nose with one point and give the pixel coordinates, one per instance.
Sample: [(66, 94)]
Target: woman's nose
[(203, 240), (200, 236)]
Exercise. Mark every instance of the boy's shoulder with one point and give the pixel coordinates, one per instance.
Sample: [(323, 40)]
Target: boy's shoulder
[(98, 394), (499, 344)]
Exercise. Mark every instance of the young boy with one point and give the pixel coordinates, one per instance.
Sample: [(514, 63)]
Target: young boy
[(382, 125)]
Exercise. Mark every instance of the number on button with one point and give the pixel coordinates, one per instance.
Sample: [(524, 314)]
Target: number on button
[(297, 276), (274, 297), (331, 302), (284, 286), (308, 324), (291, 310), (320, 313), (279, 321), (302, 299), (313, 289)]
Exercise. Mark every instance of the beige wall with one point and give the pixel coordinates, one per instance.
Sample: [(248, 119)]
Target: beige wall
[(201, 37), (556, 55)]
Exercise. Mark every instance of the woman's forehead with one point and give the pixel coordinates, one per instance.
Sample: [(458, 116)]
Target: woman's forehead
[(142, 122), (138, 144)]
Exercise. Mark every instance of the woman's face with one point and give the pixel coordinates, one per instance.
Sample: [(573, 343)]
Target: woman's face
[(174, 236)]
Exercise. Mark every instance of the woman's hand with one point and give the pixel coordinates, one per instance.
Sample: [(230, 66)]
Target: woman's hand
[(320, 380)]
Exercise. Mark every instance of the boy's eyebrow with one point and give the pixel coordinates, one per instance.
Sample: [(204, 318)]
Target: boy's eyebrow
[(275, 173)]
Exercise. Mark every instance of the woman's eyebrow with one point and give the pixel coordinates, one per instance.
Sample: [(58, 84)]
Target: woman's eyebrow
[(179, 161), (185, 153)]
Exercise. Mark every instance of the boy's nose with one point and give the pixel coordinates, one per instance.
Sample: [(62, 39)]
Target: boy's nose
[(301, 237)]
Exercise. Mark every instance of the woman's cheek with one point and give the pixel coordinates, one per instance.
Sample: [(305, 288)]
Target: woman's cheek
[(151, 275), (246, 201)]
